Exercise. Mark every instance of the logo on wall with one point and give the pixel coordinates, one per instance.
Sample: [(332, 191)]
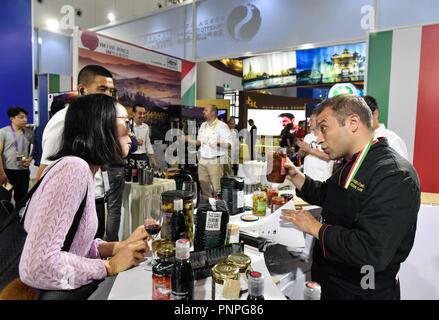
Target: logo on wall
[(342, 88), (172, 63), (90, 40), (244, 22)]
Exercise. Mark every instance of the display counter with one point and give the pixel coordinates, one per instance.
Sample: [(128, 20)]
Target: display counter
[(136, 283)]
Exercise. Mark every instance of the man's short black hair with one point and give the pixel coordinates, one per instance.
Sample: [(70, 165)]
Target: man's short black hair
[(372, 103), (88, 74), (287, 115), (138, 105), (251, 122), (15, 111), (56, 106), (90, 131)]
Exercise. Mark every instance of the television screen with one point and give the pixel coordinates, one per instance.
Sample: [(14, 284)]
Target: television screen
[(268, 121), (342, 63), (222, 114), (274, 70)]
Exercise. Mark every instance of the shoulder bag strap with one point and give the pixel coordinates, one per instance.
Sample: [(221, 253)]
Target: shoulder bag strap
[(74, 227)]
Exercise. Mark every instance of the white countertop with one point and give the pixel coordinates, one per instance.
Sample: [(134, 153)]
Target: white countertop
[(136, 283)]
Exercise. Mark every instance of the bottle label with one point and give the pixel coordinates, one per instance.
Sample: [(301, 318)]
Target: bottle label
[(240, 200), (161, 288), (262, 206), (213, 221), (179, 295)]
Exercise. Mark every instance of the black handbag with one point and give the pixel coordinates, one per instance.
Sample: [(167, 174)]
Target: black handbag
[(13, 237)]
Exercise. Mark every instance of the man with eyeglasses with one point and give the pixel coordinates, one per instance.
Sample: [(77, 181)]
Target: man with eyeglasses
[(15, 160)]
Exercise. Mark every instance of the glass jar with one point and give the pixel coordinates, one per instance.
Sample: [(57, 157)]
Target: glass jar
[(276, 203), (243, 262), (270, 194), (276, 171), (221, 273), (162, 271), (259, 203), (167, 207), (287, 197)]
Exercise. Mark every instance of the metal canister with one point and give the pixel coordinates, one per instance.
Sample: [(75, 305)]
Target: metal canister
[(243, 262), (222, 272)]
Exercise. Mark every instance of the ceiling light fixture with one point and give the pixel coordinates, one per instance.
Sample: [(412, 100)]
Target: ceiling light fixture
[(111, 17), (52, 24)]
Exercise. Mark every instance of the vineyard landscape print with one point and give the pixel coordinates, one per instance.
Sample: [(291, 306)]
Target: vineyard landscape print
[(138, 82)]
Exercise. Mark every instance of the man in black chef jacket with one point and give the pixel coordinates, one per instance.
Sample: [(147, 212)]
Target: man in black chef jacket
[(370, 206)]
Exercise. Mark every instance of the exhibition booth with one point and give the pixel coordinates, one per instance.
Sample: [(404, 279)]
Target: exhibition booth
[(287, 68)]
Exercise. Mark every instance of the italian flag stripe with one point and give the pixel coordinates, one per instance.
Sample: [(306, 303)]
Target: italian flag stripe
[(188, 83), (357, 165), (403, 69)]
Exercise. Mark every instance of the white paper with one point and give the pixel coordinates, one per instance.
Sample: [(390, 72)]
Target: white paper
[(272, 228)]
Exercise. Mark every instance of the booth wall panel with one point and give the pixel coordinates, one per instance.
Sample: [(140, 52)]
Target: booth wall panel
[(426, 142), (16, 83)]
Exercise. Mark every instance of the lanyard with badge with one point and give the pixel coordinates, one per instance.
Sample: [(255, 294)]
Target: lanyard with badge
[(211, 131), (20, 156), (357, 164)]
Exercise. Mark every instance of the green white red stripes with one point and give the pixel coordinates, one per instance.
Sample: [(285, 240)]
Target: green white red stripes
[(357, 164), (188, 83), (403, 74), (60, 83)]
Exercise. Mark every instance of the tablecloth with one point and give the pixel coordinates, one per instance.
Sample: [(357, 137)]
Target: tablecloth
[(139, 201)]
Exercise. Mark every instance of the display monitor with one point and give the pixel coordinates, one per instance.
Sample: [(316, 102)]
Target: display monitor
[(270, 71), (341, 63), (268, 122)]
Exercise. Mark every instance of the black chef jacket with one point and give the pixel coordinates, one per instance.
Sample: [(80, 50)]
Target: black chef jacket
[(372, 223)]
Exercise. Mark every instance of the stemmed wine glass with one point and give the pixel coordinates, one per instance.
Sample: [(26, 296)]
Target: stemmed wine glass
[(153, 225), (192, 187)]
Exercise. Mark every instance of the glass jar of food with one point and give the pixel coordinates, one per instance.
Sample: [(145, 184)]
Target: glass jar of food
[(270, 194), (276, 160), (259, 203), (167, 207), (161, 272), (276, 203), (221, 273), (243, 262)]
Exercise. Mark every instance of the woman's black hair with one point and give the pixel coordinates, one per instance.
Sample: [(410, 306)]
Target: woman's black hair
[(90, 131)]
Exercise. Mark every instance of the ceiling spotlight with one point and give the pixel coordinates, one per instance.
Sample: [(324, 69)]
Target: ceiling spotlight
[(52, 24), (111, 17)]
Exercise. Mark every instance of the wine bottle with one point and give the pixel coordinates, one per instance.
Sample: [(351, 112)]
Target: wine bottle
[(127, 170), (178, 221), (182, 279), (255, 286)]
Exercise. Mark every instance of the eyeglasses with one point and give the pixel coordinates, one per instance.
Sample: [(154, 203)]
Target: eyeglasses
[(127, 123)]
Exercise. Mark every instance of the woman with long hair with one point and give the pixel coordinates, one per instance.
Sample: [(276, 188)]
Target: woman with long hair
[(96, 132)]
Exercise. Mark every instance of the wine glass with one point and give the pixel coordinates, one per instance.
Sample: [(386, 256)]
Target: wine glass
[(192, 187), (153, 225)]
